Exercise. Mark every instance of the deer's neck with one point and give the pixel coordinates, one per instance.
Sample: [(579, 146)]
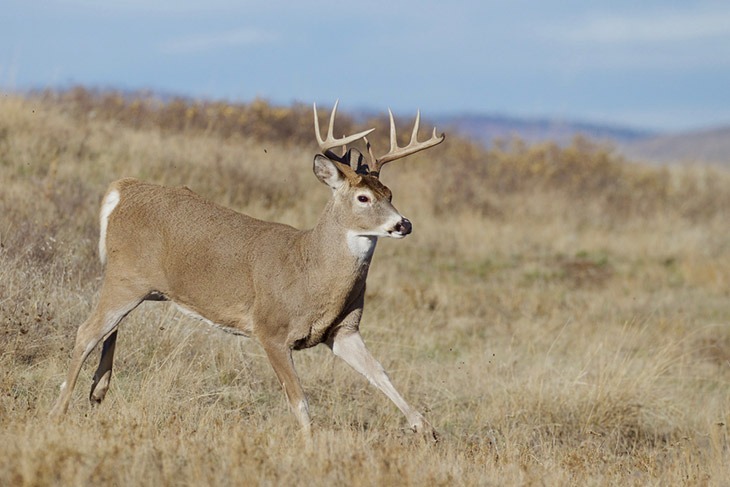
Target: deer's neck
[(331, 242)]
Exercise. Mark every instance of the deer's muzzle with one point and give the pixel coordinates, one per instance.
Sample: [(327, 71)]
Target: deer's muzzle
[(402, 228)]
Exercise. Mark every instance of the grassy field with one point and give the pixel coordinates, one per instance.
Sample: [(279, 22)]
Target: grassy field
[(562, 316)]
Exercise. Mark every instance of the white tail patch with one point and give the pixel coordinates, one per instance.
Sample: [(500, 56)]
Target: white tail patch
[(107, 206)]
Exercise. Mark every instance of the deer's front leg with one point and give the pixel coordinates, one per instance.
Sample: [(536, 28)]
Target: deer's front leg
[(280, 357), (348, 344)]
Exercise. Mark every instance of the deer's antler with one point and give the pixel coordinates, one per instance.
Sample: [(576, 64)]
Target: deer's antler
[(330, 142), (395, 152)]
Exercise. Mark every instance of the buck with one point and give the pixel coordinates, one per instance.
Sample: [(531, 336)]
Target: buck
[(290, 289)]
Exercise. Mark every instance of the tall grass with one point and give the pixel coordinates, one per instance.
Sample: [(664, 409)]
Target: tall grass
[(561, 314)]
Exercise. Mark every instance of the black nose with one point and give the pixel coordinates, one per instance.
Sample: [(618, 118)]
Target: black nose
[(404, 226)]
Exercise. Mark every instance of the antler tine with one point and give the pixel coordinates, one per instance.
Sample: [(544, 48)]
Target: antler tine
[(413, 146), (330, 142), (331, 127), (393, 135), (317, 133), (414, 134), (370, 151)]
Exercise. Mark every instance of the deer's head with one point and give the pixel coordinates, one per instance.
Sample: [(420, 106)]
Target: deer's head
[(363, 202)]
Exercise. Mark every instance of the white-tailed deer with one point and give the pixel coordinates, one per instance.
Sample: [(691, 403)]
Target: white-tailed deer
[(291, 289)]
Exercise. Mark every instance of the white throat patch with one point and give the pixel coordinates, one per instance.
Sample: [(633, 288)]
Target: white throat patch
[(361, 246)]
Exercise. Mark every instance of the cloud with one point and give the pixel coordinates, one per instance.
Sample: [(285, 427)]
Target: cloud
[(218, 40), (649, 27), (146, 6)]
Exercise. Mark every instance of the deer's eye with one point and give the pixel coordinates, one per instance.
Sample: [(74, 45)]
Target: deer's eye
[(363, 199)]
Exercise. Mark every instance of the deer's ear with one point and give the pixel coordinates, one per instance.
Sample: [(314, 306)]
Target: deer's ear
[(328, 172)]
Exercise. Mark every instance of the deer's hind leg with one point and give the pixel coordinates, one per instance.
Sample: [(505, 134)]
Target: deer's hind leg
[(103, 374), (114, 304)]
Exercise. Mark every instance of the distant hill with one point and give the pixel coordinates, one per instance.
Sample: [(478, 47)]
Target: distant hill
[(705, 146), (486, 128), (711, 146)]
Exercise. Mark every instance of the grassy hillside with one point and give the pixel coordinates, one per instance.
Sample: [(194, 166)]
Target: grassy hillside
[(561, 315)]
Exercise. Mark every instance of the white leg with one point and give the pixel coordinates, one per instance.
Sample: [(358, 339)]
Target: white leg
[(349, 346)]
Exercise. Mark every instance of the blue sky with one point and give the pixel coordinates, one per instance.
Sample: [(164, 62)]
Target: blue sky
[(661, 65)]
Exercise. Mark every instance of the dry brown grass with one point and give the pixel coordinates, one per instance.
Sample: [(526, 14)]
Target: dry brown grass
[(561, 315)]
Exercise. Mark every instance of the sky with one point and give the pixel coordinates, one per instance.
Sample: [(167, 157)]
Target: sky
[(656, 65)]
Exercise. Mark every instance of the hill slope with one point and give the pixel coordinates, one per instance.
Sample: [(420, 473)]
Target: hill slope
[(710, 146), (486, 128), (706, 146)]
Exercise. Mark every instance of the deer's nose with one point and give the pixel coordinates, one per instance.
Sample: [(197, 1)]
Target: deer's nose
[(404, 226)]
